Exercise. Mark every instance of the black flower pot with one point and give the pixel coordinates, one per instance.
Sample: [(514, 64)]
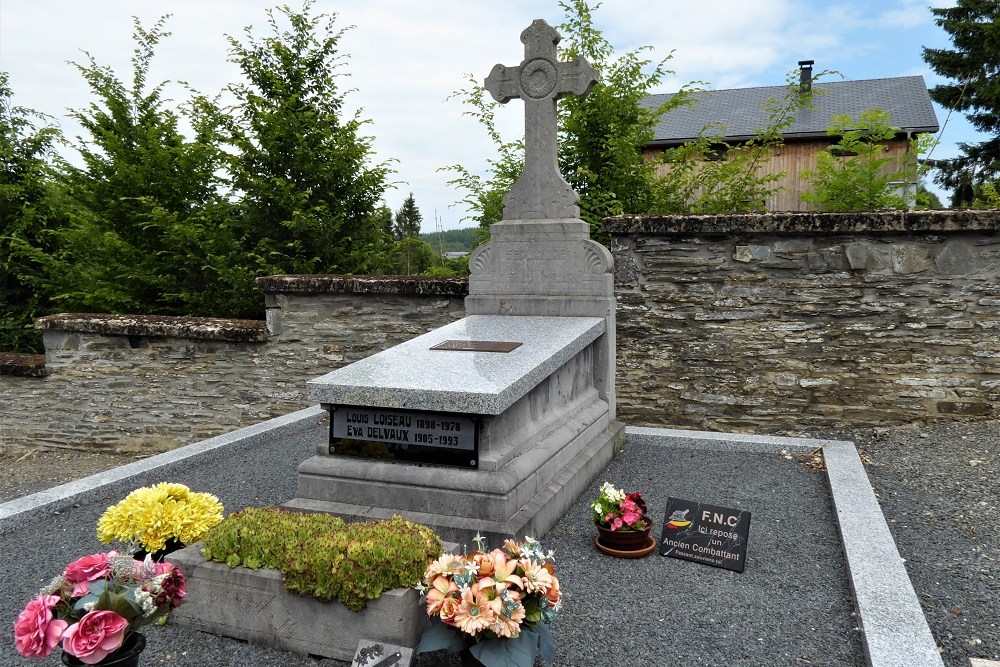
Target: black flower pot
[(171, 546), (126, 656)]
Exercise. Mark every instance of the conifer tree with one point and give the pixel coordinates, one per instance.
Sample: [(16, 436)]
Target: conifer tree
[(973, 65), (303, 169), (28, 215), (148, 227), (407, 221)]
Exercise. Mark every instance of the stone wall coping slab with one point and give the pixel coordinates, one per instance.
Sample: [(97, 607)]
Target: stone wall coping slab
[(389, 285), (412, 376), (807, 222), (197, 328), (23, 365)]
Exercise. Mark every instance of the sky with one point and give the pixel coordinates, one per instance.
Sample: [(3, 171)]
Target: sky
[(407, 59)]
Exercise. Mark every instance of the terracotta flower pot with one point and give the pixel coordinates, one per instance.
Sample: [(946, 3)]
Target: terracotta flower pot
[(126, 656), (625, 540)]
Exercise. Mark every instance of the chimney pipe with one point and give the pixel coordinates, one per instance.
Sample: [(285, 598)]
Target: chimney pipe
[(805, 75)]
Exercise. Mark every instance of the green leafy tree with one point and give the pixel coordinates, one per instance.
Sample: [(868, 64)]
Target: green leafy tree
[(381, 219), (149, 230), (29, 213), (484, 194), (857, 173), (412, 257), (303, 169), (602, 135), (407, 221), (973, 66), (987, 195)]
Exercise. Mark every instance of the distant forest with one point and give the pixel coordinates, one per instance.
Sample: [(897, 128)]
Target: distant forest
[(453, 240)]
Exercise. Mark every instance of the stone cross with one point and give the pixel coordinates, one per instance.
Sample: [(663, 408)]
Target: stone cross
[(541, 192)]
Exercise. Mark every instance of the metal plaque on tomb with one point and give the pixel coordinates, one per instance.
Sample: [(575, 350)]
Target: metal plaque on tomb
[(476, 346), (706, 534), (440, 438)]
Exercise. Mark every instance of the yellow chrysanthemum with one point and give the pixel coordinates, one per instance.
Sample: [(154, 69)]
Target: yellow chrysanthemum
[(153, 515)]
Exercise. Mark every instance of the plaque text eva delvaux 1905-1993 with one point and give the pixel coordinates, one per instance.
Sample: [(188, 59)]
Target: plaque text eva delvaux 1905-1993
[(407, 435)]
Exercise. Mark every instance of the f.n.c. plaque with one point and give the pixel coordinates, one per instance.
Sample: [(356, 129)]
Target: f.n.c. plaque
[(441, 438)]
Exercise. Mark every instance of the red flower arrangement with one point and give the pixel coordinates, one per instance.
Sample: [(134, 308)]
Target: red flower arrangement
[(616, 510)]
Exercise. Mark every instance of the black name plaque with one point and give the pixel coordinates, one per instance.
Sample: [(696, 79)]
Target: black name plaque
[(406, 435)]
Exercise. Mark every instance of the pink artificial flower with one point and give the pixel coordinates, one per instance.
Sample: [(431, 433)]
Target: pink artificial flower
[(36, 632), (631, 518), (89, 568), (98, 634), (617, 523)]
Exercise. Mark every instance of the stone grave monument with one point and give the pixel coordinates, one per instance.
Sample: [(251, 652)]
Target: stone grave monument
[(495, 423)]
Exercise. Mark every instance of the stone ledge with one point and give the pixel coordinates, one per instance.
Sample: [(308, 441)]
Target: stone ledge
[(254, 606), (197, 328), (395, 285), (808, 222), (22, 365)]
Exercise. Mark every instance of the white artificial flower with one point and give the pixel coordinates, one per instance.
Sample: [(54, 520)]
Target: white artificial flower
[(146, 601)]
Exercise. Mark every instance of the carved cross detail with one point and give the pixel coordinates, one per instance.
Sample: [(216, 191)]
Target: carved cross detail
[(540, 80)]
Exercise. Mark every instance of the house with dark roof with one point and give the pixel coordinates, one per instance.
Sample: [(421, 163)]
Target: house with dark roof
[(738, 114)]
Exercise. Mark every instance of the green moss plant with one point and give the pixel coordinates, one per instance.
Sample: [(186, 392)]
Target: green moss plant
[(321, 556)]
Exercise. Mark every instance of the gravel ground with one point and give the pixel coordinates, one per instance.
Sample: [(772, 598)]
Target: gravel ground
[(938, 486)]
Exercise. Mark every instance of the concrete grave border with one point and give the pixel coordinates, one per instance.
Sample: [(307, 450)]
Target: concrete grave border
[(894, 628)]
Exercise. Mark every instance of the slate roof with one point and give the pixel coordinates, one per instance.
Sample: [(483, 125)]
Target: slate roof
[(740, 111)]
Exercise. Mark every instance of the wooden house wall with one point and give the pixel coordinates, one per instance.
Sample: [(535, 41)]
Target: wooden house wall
[(790, 162)]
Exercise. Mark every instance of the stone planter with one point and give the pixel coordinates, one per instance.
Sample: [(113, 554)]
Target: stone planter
[(253, 605)]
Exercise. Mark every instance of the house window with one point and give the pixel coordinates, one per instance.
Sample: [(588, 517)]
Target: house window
[(716, 152), (837, 151)]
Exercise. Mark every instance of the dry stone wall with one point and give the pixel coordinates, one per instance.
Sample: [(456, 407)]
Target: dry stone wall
[(147, 384), (786, 322)]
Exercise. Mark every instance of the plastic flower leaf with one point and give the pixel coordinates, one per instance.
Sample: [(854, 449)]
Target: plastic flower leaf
[(440, 637), (514, 652), (97, 589), (546, 644)]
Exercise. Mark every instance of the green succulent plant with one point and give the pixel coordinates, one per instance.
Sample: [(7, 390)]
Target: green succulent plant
[(322, 556)]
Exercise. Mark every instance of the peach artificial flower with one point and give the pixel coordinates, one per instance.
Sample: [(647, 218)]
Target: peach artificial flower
[(474, 613), (536, 577), (440, 589)]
